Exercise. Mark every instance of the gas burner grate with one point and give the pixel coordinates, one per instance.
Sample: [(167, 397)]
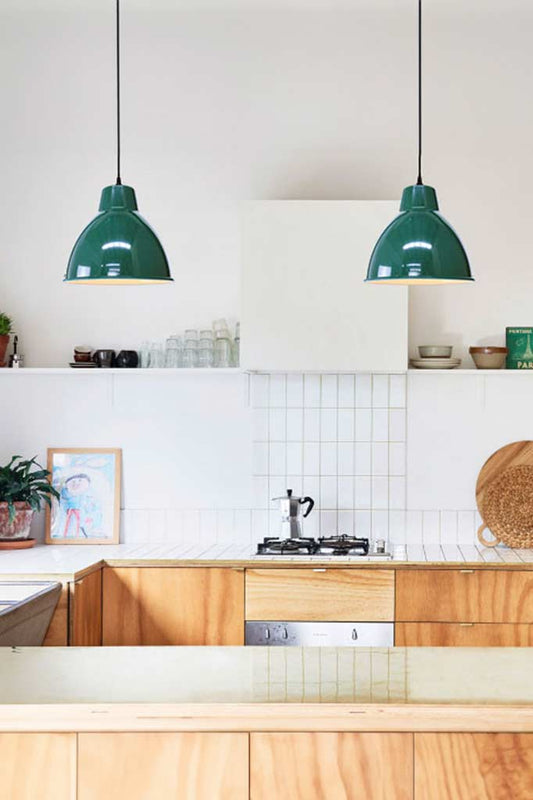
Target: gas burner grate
[(343, 545), (275, 546)]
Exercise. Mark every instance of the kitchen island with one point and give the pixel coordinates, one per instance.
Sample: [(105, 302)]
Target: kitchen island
[(277, 723)]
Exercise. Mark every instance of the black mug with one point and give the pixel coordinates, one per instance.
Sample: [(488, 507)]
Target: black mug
[(127, 359), (104, 358)]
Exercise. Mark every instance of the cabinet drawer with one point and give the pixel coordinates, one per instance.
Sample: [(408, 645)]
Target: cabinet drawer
[(462, 634), (342, 595), (464, 595)]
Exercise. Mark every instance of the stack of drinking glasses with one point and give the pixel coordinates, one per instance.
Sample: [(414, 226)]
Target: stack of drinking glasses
[(209, 347)]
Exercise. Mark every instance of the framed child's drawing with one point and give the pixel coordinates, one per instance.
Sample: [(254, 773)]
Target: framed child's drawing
[(88, 482)]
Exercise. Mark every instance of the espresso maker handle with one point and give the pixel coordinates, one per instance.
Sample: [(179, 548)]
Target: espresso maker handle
[(310, 507)]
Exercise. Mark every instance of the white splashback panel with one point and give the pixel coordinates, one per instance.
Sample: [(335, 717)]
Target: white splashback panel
[(454, 423), (186, 440)]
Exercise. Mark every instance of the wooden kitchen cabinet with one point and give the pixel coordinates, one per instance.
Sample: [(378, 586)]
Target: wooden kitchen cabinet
[(329, 766), (341, 595), (163, 766), (86, 610), (464, 595), (462, 634), (173, 606), (473, 766), (37, 766), (305, 305)]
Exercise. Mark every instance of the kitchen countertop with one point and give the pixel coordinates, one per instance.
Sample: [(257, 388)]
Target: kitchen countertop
[(173, 687), (73, 561)]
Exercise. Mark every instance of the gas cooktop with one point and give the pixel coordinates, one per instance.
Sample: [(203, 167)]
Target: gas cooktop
[(340, 545)]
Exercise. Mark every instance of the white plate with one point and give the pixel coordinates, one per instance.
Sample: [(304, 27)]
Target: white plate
[(435, 363)]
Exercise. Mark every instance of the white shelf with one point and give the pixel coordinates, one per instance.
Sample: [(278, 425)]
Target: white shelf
[(116, 371), (460, 371)]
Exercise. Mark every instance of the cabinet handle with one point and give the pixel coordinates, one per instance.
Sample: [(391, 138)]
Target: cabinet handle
[(319, 570), (466, 571), (466, 624)]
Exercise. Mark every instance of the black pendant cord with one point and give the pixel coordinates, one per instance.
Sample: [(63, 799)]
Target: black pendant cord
[(419, 179), (118, 181)]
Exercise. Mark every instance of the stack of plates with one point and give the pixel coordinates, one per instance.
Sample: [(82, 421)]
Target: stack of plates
[(435, 357)]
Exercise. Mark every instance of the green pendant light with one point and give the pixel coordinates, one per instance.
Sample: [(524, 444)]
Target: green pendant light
[(118, 246), (419, 247)]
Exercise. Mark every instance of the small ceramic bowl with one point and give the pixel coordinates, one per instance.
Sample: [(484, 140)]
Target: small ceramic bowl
[(488, 357), (435, 351)]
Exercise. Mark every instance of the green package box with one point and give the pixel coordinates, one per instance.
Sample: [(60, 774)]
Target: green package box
[(520, 348)]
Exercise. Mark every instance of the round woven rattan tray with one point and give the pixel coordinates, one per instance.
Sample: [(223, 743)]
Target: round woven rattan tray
[(504, 494)]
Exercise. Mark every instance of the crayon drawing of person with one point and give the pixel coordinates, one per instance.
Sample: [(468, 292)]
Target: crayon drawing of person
[(82, 514)]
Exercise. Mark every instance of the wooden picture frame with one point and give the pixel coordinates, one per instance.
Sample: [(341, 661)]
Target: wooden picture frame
[(88, 480)]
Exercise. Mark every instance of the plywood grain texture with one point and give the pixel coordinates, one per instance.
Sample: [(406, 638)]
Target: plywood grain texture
[(320, 594)]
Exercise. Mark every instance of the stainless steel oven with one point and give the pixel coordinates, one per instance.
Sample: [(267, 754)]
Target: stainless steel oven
[(320, 634)]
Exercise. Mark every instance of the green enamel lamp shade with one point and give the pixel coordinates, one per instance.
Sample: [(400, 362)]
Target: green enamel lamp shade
[(419, 247), (118, 246)]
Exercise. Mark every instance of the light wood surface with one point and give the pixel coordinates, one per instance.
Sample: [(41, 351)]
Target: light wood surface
[(57, 633), (374, 717), (173, 606), (464, 595), (86, 611), (320, 594), (157, 766), (457, 634), (37, 766), (469, 766), (330, 766)]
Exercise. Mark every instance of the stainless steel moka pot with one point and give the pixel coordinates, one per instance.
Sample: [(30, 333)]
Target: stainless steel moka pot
[(290, 508)]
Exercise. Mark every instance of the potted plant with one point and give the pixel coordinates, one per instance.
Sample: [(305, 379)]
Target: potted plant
[(6, 326), (24, 486)]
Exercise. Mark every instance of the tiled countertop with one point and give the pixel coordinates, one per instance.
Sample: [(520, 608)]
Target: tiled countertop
[(71, 561)]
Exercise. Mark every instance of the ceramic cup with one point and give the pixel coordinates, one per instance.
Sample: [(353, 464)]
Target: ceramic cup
[(104, 358), (127, 359)]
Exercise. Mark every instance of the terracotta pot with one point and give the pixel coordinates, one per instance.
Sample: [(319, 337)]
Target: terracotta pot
[(4, 342), (20, 527)]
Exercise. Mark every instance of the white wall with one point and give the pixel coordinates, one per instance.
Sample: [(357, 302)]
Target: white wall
[(229, 101)]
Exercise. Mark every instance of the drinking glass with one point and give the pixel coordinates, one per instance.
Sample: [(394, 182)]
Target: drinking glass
[(190, 353), (144, 355), (237, 345), (157, 355), (222, 349), (172, 353)]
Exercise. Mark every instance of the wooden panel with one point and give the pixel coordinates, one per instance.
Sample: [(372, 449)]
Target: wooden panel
[(173, 606), (329, 766), (464, 595), (457, 634), (57, 633), (468, 766), (37, 765), (153, 766), (86, 611), (341, 595)]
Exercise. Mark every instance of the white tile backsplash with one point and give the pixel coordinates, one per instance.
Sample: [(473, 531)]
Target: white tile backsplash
[(342, 439)]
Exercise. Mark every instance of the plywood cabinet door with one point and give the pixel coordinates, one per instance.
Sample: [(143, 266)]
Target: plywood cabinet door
[(163, 766), (329, 766), (341, 595), (464, 595), (37, 766), (461, 634), (173, 606), (305, 305), (86, 610), (473, 766)]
